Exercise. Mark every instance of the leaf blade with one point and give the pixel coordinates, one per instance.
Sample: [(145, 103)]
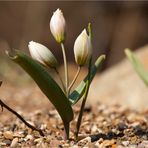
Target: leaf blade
[(48, 86), (137, 66)]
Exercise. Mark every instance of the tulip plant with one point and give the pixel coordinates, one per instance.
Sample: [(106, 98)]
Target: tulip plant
[(63, 96)]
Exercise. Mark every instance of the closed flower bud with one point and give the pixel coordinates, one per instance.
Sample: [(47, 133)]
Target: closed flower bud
[(42, 54), (57, 26), (82, 48)]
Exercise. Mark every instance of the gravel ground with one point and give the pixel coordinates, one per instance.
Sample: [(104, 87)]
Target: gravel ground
[(102, 126)]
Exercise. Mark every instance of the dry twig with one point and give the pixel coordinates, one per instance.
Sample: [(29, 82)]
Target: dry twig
[(20, 117)]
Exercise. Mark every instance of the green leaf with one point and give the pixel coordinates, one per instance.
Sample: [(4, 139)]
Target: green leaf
[(45, 82), (76, 95), (137, 66)]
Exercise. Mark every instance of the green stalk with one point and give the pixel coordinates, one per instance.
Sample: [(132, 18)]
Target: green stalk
[(74, 80), (83, 103), (66, 124), (66, 130), (65, 68), (81, 112), (86, 89)]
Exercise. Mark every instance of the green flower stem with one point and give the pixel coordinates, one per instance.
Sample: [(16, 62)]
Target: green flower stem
[(74, 80), (83, 103), (81, 111), (66, 130), (62, 83), (65, 68)]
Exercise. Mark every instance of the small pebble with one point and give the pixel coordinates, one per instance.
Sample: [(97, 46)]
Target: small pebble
[(84, 141), (2, 144), (43, 126), (107, 143), (122, 126), (94, 129), (125, 143), (38, 140), (8, 135), (14, 142), (28, 137), (8, 142)]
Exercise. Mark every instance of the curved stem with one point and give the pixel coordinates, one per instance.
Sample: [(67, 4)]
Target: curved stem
[(63, 86), (65, 68), (74, 80)]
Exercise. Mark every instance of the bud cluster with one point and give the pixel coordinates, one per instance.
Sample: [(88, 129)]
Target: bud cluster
[(82, 45)]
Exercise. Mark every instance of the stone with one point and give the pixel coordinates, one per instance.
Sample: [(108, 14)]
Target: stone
[(7, 142), (125, 143), (2, 144), (8, 135), (94, 129), (107, 143), (14, 143), (28, 137), (84, 141), (38, 140)]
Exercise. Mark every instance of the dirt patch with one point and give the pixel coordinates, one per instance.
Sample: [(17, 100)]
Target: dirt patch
[(102, 126)]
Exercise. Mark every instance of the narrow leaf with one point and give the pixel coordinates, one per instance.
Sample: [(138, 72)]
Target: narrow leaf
[(76, 95), (137, 66), (45, 82)]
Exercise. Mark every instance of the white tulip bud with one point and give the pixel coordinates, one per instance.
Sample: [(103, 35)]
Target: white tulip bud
[(42, 54), (57, 26), (82, 48)]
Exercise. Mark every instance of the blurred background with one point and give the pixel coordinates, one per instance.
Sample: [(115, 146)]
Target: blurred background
[(116, 26)]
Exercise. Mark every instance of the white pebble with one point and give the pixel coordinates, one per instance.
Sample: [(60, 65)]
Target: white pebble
[(125, 143), (14, 143)]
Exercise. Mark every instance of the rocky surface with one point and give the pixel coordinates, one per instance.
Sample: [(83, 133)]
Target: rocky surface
[(102, 126)]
